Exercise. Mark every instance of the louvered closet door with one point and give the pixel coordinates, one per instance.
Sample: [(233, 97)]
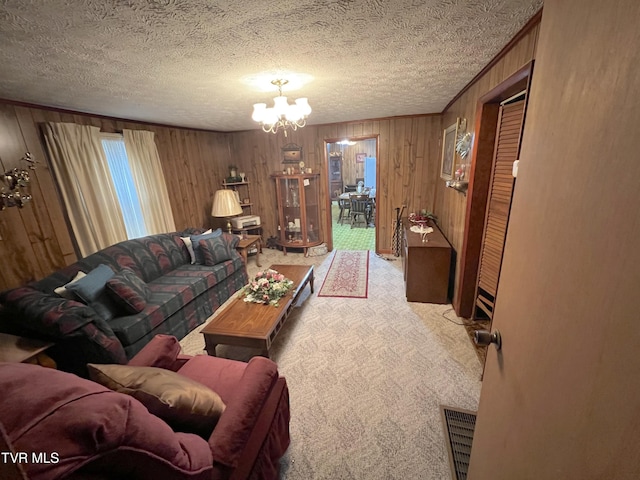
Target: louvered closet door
[(499, 203)]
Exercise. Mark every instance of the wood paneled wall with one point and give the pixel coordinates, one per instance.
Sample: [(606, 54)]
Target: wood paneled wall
[(451, 205), (35, 241), (350, 169), (407, 163)]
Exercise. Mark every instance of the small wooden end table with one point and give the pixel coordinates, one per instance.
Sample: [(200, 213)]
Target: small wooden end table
[(256, 325), (22, 350), (246, 243)]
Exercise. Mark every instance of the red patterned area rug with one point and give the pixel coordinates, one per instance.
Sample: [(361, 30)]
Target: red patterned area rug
[(348, 275)]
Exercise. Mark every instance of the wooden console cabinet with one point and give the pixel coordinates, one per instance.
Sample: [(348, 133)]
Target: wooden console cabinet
[(426, 265)]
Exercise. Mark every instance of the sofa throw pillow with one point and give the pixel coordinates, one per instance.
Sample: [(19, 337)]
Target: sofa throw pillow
[(92, 290), (184, 404), (128, 290), (68, 294), (189, 245), (91, 286), (214, 250), (195, 239)]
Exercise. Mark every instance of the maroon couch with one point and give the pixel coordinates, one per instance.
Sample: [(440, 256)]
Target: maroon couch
[(76, 428)]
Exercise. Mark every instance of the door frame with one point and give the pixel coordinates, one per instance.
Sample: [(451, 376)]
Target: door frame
[(327, 185), (480, 179)]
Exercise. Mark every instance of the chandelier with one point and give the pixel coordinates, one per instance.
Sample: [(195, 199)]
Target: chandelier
[(281, 115)]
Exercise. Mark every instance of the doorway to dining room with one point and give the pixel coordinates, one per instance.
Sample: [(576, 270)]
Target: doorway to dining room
[(352, 187)]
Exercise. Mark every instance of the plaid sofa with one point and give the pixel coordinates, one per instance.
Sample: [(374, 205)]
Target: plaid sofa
[(182, 297)]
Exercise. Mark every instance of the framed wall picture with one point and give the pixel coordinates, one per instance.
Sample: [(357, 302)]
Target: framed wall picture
[(448, 151), (360, 157), (291, 153)]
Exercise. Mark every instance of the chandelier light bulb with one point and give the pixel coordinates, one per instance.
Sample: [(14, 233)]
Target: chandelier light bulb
[(280, 105), (258, 111), (294, 113), (271, 116), (303, 104), (282, 115)]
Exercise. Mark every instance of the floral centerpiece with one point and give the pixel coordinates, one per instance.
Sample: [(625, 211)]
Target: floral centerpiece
[(267, 287)]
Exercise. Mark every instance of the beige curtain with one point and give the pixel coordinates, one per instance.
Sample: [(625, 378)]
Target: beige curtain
[(88, 192), (149, 181)]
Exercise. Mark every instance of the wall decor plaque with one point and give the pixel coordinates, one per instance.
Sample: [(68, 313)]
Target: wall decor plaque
[(291, 153)]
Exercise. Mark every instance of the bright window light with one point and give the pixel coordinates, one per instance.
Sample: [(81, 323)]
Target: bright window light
[(114, 149)]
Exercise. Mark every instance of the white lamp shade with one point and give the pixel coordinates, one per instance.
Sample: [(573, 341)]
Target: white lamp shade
[(258, 112), (225, 204), (303, 104), (280, 105), (281, 114), (270, 116), (293, 113)]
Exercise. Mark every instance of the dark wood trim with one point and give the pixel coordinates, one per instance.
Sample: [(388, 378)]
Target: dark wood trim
[(353, 138), (106, 117), (326, 187), (482, 152), (510, 86), (533, 21), (359, 122), (481, 162)]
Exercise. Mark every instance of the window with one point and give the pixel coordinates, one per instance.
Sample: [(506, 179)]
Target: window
[(114, 149)]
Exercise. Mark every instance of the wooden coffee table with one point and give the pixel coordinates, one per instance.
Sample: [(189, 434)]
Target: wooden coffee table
[(256, 325)]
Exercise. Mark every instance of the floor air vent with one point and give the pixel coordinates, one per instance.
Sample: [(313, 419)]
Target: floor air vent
[(458, 425)]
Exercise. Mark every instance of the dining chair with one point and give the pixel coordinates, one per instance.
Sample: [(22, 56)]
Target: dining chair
[(360, 208), (345, 209), (372, 206)]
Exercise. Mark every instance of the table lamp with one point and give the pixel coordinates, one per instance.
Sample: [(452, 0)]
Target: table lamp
[(225, 204)]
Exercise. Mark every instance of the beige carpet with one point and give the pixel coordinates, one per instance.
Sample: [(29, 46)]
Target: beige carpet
[(366, 378), (348, 275)]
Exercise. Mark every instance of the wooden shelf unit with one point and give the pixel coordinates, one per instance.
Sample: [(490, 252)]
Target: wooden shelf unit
[(244, 193)]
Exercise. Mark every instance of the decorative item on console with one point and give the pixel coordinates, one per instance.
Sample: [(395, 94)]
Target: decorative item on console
[(419, 223), (422, 218), (13, 181)]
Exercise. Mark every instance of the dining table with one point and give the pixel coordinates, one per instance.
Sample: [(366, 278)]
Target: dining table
[(372, 203)]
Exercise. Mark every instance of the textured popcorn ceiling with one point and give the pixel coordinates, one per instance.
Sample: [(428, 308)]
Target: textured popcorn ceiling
[(188, 63)]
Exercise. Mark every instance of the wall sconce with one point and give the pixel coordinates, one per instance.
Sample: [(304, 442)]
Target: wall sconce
[(12, 183)]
